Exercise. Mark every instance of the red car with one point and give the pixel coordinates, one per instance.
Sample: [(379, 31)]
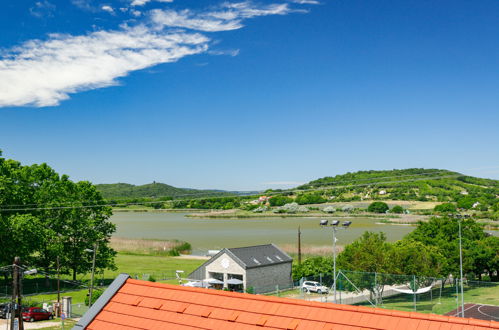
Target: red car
[(33, 314)]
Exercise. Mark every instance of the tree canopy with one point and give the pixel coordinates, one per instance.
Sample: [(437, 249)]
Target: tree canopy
[(44, 215)]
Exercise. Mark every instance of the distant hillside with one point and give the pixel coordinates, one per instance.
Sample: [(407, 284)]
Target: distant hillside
[(154, 190), (409, 184)]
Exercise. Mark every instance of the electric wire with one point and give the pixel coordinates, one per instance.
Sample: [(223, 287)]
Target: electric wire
[(201, 198)]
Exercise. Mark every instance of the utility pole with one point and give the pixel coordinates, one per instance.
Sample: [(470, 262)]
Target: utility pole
[(13, 307), (299, 246), (58, 312), (16, 304)]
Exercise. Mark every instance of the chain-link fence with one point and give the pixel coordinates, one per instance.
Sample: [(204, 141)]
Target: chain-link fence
[(399, 292)]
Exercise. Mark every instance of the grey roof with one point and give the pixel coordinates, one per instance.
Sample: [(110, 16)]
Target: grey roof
[(260, 255), (247, 257)]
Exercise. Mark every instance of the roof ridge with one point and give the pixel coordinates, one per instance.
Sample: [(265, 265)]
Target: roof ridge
[(298, 302), (252, 246)]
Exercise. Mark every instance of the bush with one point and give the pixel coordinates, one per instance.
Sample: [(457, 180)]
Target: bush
[(397, 209), (260, 209), (329, 209), (445, 208), (279, 200), (95, 295), (378, 207)]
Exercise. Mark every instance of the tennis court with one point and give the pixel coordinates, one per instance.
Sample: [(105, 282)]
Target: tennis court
[(478, 311)]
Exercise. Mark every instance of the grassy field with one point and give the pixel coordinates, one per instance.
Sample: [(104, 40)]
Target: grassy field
[(480, 295), (135, 266)]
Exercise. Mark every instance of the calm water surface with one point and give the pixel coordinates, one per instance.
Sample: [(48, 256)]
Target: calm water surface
[(212, 234)]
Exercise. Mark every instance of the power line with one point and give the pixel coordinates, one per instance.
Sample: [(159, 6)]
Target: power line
[(158, 199), (201, 198)]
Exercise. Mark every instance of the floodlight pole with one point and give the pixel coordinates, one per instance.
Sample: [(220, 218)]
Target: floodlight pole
[(334, 263), (461, 268)]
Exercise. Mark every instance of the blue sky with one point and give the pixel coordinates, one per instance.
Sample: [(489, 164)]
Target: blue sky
[(249, 95)]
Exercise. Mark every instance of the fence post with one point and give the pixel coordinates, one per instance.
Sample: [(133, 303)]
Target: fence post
[(414, 290), (301, 288)]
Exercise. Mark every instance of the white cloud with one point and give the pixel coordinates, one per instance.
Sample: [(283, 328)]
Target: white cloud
[(228, 17), (42, 9), (136, 13), (232, 52), (43, 73), (143, 2), (306, 2), (109, 9), (186, 19)]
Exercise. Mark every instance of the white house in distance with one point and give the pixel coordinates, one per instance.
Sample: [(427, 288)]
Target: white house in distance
[(262, 268)]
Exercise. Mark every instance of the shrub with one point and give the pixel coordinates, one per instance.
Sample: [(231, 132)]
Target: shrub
[(279, 200), (445, 208), (378, 207), (397, 209), (329, 209), (95, 295)]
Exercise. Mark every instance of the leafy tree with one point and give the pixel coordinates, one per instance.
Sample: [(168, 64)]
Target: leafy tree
[(378, 207), (313, 267), (370, 253), (45, 215), (485, 256), (280, 200), (310, 198), (445, 208), (415, 258), (397, 209), (443, 234), (466, 202)]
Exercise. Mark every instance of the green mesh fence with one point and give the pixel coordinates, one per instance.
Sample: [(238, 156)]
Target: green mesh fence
[(401, 292)]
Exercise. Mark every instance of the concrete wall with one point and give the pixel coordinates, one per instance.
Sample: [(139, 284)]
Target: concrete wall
[(265, 279)]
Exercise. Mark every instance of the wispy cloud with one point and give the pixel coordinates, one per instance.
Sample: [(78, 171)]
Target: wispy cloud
[(45, 72), (143, 2), (306, 2), (42, 9), (228, 17), (107, 8), (231, 52)]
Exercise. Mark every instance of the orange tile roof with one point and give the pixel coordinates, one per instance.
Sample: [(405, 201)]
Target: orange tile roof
[(147, 305)]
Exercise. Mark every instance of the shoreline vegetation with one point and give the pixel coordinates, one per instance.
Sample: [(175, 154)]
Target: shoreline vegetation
[(150, 247)]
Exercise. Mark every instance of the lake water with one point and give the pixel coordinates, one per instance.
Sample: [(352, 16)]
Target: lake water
[(214, 234)]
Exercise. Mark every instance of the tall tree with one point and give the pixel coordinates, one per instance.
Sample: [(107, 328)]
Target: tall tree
[(44, 215), (443, 234), (370, 253)]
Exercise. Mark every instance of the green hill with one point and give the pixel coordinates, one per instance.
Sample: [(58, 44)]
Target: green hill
[(154, 190), (408, 184)]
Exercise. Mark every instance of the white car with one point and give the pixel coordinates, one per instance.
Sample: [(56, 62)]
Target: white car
[(311, 286)]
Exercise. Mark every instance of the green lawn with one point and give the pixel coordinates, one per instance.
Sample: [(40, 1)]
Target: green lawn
[(432, 304), (158, 267)]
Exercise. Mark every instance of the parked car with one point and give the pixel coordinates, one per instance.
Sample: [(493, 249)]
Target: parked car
[(311, 286), (5, 311), (33, 314)]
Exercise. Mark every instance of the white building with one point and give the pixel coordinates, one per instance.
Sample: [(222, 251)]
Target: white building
[(262, 268)]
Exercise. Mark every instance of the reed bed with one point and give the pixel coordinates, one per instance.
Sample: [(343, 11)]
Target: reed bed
[(310, 250), (150, 246)]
